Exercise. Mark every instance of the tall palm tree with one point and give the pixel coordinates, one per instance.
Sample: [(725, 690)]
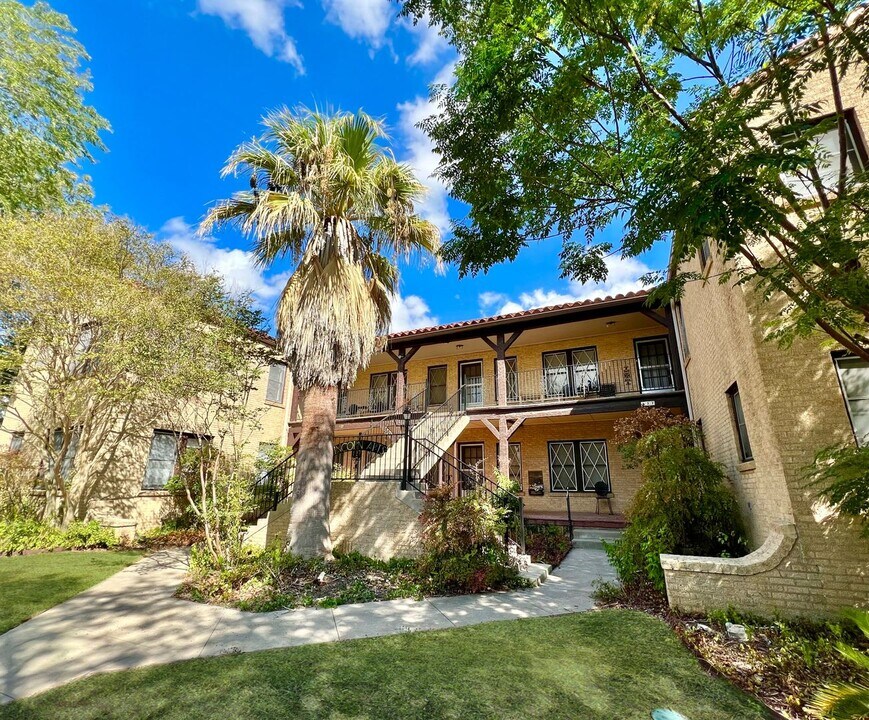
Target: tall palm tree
[(324, 193)]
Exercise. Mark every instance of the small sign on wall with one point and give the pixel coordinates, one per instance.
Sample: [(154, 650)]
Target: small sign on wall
[(647, 403)]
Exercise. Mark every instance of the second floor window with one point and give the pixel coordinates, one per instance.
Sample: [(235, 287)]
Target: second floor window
[(382, 391), (277, 381), (16, 442), (739, 423), (828, 153), (653, 363), (854, 378), (569, 373)]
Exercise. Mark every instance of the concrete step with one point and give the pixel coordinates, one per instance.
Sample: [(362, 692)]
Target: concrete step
[(592, 537)]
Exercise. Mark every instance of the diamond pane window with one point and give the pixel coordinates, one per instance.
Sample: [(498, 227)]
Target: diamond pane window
[(556, 378), (564, 473), (585, 379), (562, 467), (594, 464)]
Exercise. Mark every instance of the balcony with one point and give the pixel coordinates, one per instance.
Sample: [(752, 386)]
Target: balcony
[(364, 402), (595, 380), (551, 385)]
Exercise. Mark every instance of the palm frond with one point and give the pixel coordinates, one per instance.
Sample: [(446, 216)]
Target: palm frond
[(328, 196)]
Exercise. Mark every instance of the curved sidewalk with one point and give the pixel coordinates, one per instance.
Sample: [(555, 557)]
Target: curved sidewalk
[(131, 619)]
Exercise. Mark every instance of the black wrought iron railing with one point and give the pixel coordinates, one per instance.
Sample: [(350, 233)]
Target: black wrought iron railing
[(355, 458), (363, 402), (443, 469), (272, 488)]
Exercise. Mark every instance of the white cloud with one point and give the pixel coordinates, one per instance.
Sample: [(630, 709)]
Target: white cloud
[(423, 159), (430, 43), (623, 277), (236, 266), (263, 21), (409, 313), (366, 20)]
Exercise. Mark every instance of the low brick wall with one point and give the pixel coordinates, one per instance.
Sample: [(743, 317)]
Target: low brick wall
[(779, 578), (369, 518)]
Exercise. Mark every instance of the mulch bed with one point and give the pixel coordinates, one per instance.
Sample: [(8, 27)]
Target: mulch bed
[(782, 665), (344, 584)]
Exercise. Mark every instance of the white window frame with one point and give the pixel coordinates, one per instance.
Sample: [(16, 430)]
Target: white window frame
[(579, 451), (861, 441), (283, 384)]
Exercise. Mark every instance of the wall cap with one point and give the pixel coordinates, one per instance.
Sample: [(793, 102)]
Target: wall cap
[(774, 549)]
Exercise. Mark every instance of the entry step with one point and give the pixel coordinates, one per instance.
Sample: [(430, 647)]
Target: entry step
[(593, 537)]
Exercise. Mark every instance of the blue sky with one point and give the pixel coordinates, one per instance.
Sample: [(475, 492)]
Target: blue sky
[(184, 81)]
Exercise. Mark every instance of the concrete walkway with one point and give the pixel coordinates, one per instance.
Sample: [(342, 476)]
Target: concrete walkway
[(131, 620)]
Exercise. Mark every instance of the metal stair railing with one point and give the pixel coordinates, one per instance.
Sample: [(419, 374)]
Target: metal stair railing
[(467, 479), (272, 488), (438, 420), (352, 456)]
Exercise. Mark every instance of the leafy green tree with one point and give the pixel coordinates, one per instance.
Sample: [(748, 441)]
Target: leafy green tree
[(840, 475), (114, 336), (45, 125), (689, 120), (327, 196), (847, 700), (685, 504)]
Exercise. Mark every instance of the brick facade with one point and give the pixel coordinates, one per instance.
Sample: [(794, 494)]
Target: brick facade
[(807, 561)]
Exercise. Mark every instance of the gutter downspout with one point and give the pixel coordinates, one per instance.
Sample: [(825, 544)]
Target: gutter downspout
[(677, 318)]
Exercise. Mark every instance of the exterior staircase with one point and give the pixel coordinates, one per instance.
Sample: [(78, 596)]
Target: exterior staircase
[(411, 452), (594, 538)]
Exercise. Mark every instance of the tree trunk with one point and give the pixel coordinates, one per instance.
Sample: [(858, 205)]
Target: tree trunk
[(309, 514)]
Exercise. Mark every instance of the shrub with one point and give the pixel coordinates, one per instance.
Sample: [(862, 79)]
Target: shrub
[(30, 534), (847, 700), (463, 541), (629, 430), (456, 526), (547, 543), (684, 506), (89, 534)]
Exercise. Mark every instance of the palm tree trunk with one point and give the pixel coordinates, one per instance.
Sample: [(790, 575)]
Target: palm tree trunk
[(309, 514)]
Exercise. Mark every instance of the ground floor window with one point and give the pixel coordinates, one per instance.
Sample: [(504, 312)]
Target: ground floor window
[(68, 463), (578, 465), (514, 451), (854, 377), (166, 447)]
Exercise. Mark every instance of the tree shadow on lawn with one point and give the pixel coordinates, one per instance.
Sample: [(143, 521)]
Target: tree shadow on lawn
[(608, 665), (30, 584)]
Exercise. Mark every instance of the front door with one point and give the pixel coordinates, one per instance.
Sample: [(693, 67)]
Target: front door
[(436, 386), (472, 457), (381, 395), (471, 382)]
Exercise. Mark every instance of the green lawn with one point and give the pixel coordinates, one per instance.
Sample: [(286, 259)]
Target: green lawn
[(608, 665), (30, 584)]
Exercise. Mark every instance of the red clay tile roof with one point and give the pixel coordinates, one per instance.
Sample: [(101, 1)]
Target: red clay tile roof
[(517, 315)]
